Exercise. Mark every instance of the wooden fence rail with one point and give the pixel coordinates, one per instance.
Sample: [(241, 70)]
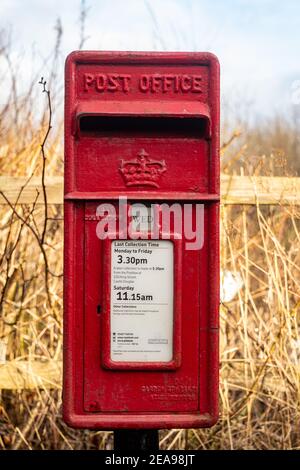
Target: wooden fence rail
[(26, 375), (234, 190)]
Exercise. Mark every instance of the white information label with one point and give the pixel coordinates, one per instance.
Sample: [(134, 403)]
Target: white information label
[(142, 289)]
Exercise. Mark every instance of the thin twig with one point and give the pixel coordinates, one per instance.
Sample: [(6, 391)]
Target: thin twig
[(45, 90), (36, 236)]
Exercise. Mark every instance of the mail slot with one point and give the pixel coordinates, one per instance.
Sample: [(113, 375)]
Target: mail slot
[(141, 263)]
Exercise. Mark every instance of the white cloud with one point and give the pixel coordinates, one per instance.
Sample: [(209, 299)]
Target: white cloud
[(254, 39)]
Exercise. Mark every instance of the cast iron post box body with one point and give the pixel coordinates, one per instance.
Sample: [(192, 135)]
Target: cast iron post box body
[(140, 318)]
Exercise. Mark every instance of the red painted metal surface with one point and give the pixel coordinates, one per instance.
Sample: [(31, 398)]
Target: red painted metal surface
[(167, 104)]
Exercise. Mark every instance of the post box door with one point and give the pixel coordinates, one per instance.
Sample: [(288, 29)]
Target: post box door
[(134, 387)]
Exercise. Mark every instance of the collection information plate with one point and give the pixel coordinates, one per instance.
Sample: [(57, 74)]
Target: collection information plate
[(142, 291)]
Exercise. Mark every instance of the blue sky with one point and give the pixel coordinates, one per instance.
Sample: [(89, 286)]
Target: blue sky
[(257, 41)]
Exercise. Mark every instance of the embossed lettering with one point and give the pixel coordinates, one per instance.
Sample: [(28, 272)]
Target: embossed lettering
[(146, 83), (167, 82), (125, 80), (176, 89), (157, 83), (112, 82), (196, 88), (88, 80), (186, 83), (102, 82)]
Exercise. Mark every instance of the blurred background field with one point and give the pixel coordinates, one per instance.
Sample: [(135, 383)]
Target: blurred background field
[(260, 258)]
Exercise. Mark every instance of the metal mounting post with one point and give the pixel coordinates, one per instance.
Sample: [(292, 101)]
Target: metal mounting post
[(136, 440)]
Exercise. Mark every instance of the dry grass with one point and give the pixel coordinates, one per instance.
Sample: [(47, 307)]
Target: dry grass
[(260, 344)]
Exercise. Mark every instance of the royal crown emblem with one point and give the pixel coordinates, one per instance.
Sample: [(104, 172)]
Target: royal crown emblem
[(142, 171)]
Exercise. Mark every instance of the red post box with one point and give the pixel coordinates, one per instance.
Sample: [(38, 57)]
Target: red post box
[(141, 276)]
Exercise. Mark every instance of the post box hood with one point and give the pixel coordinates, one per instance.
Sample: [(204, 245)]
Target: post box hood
[(182, 109)]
